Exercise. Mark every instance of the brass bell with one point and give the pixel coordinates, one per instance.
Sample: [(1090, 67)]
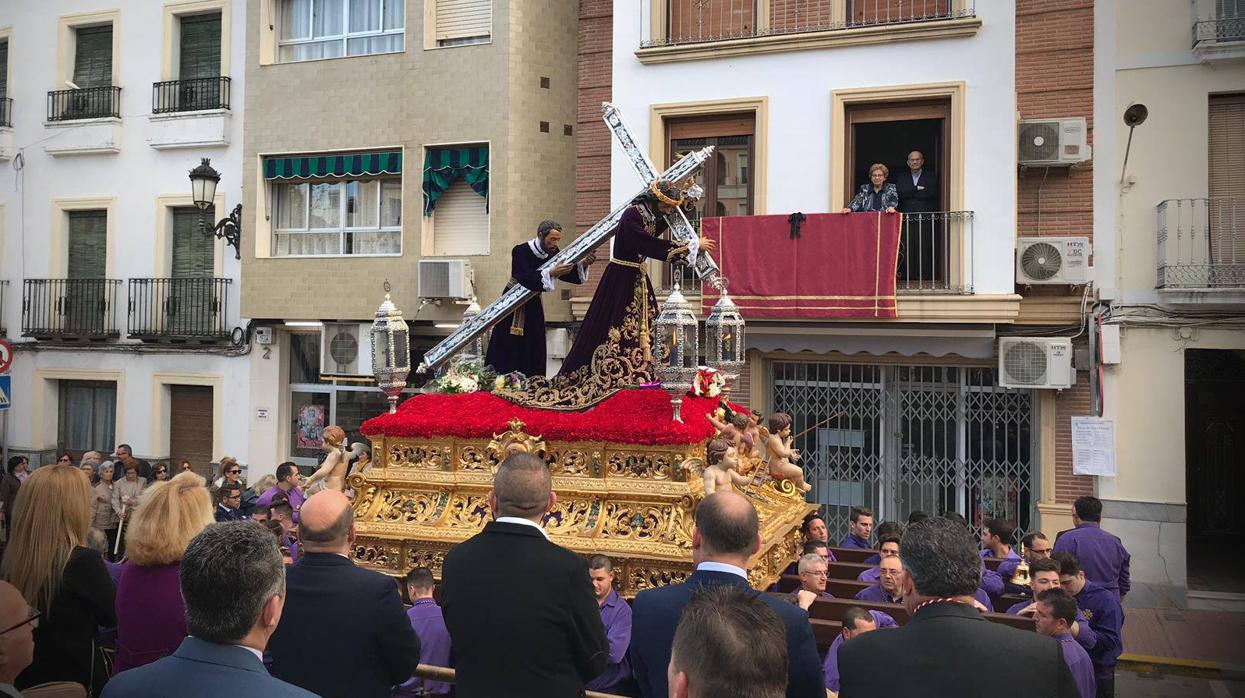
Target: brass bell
[(1021, 577)]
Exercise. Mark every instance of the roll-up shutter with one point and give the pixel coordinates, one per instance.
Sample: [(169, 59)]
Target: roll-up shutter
[(460, 224), (88, 244), (92, 65), (462, 19), (1226, 165)]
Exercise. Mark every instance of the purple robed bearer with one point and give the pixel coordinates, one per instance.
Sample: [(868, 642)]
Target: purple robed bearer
[(434, 647), (1079, 663), (1101, 555), (616, 617), (830, 668)]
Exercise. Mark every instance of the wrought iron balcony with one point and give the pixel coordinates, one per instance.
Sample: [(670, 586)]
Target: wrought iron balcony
[(70, 308), (1219, 30), (195, 94), (179, 310), (698, 21), (1201, 243), (6, 111), (84, 103)]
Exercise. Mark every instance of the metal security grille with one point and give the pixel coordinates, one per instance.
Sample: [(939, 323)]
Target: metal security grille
[(929, 438)]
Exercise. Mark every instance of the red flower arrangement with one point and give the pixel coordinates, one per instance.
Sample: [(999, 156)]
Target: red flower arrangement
[(638, 416)]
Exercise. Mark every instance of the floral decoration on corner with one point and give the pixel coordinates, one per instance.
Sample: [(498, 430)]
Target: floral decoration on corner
[(509, 381), (709, 382), (463, 375)]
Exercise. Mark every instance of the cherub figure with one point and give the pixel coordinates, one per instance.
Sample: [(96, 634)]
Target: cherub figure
[(735, 430), (722, 468), (333, 470), (781, 454)]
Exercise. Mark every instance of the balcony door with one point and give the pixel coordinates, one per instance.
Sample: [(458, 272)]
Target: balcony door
[(87, 419), (199, 63), (1226, 172), (190, 427), (191, 307), (84, 300)]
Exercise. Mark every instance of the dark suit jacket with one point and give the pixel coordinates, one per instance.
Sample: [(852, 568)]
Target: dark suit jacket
[(913, 200), (343, 632), (522, 616), (201, 669), (950, 649), (655, 616)]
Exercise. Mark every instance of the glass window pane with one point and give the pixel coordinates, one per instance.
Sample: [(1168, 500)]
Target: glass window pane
[(395, 14), (387, 43), (364, 15), (326, 205), (291, 206), (357, 406), (391, 203), (305, 357), (295, 19), (376, 243), (308, 244), (361, 204), (327, 18)]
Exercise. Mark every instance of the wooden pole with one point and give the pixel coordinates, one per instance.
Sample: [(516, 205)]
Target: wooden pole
[(823, 422), (120, 529)]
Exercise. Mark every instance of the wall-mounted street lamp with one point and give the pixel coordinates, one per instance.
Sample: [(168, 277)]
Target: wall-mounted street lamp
[(203, 181)]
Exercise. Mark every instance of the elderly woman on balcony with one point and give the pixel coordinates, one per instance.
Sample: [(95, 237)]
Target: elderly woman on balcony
[(878, 195)]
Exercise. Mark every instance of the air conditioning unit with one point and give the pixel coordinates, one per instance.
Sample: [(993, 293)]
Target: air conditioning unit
[(1052, 260), (444, 278), (346, 349), (1053, 142), (1036, 362)]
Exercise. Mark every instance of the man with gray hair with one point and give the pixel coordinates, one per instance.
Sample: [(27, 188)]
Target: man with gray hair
[(233, 583), (538, 633), (814, 574), (948, 648), (518, 341)]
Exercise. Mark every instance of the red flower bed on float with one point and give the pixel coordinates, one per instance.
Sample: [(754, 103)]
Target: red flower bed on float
[(638, 416)]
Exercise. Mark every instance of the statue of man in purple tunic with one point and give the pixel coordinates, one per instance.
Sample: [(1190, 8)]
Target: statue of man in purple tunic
[(518, 341)]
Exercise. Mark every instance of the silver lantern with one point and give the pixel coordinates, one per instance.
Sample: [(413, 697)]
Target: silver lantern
[(391, 350), (476, 346), (724, 337), (677, 343)]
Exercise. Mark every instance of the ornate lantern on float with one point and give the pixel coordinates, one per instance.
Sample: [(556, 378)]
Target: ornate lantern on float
[(391, 350), (677, 343), (724, 336)]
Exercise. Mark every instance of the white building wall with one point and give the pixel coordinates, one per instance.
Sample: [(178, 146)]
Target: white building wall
[(135, 176), (798, 85)]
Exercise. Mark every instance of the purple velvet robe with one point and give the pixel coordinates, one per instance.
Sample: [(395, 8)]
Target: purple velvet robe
[(1085, 637), (520, 345), (871, 576), (852, 541), (1106, 618), (151, 616), (434, 647), (1079, 663), (876, 594), (616, 617), (830, 668), (1102, 556)]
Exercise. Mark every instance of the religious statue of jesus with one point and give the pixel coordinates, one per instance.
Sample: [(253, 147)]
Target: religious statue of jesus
[(613, 348), (518, 341)]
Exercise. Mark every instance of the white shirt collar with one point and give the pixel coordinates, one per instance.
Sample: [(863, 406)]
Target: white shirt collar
[(534, 246), (524, 522), (722, 567), (258, 655)]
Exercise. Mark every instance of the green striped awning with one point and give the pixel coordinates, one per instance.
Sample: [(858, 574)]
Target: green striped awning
[(442, 166), (342, 165)]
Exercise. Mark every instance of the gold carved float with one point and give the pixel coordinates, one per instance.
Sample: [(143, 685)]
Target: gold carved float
[(634, 503)]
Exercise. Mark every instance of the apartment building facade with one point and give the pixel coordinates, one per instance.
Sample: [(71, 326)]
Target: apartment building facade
[(413, 142), (1170, 81), (119, 300), (800, 97)]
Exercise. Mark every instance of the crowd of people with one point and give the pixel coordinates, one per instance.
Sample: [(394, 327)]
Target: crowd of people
[(213, 598)]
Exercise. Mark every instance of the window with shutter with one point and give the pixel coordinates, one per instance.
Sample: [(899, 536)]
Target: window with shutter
[(200, 47), (4, 68), (1226, 170), (194, 250), (88, 244), (460, 222), (463, 21), (92, 65)]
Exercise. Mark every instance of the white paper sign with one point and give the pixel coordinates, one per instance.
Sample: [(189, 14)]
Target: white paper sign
[(1093, 446)]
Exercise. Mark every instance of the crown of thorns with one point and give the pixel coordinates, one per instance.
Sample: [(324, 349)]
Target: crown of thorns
[(659, 184)]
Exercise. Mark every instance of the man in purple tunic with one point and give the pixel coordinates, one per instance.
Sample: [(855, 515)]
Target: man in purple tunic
[(616, 617), (813, 577), (889, 588), (288, 482), (860, 526), (1101, 555), (856, 622), (429, 627), (1056, 612), (518, 341), (996, 537), (1044, 575), (1106, 617)]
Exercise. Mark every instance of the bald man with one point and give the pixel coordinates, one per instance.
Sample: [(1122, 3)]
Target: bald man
[(343, 631), (521, 611), (17, 644)]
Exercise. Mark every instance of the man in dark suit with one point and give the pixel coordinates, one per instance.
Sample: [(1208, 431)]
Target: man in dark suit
[(948, 648), (233, 583), (344, 633), (918, 187), (538, 632), (727, 533)]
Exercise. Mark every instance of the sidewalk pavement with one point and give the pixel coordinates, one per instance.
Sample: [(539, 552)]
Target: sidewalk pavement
[(1191, 639)]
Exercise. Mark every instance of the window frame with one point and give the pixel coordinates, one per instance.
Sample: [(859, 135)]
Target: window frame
[(345, 36), (431, 42), (67, 43), (342, 229)]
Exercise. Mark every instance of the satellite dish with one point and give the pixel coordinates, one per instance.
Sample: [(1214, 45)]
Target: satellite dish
[(1135, 115)]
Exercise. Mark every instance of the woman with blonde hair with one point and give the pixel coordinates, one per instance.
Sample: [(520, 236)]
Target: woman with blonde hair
[(48, 560), (151, 616)]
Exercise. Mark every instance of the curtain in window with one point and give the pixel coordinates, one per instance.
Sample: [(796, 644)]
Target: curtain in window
[(445, 165), (365, 15), (295, 19)]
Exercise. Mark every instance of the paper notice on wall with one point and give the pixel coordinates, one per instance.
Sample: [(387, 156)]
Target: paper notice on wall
[(1093, 446)]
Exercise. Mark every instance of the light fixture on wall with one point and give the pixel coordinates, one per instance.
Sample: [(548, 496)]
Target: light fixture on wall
[(203, 181), (1134, 116)]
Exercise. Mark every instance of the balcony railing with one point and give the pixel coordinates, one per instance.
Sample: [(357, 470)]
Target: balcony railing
[(84, 103), (935, 256), (179, 309), (69, 308), (1201, 243), (6, 111), (1218, 31), (195, 94), (697, 21)]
